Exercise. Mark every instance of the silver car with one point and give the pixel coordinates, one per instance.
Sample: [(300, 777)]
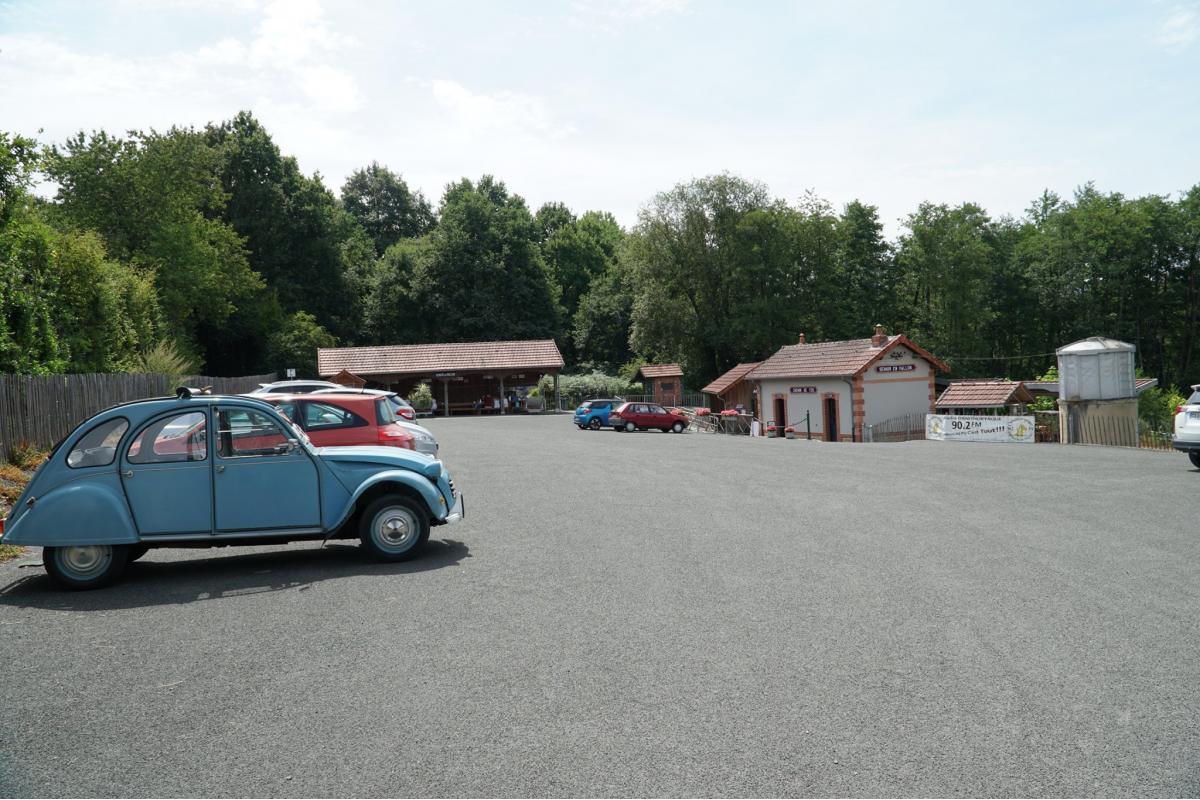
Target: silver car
[(1187, 427)]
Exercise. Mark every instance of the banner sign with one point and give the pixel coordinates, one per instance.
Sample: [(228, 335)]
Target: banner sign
[(896, 368), (804, 390), (953, 428)]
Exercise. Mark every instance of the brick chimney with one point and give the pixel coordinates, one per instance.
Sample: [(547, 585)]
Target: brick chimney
[(880, 338), (802, 340)]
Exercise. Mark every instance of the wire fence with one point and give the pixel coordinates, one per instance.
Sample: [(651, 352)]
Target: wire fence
[(41, 409), (905, 428)]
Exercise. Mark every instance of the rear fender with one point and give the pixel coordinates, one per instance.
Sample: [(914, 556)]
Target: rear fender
[(91, 510)]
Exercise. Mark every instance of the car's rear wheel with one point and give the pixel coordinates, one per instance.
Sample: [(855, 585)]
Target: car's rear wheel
[(677, 427), (595, 424), (1195, 457), (394, 528), (85, 566), (581, 427), (630, 427)]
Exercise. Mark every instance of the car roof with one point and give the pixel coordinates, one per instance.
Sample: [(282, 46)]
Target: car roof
[(332, 397)]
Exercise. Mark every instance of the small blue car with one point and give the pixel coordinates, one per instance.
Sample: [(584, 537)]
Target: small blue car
[(204, 471), (594, 414)]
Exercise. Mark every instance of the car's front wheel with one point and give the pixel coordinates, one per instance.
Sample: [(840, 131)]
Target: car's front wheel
[(1195, 457), (85, 566), (630, 427), (394, 528), (595, 424), (677, 427)]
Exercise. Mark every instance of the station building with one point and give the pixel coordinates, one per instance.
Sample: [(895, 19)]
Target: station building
[(843, 386), (464, 377)]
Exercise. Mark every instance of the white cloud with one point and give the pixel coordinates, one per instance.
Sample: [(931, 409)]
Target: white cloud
[(1180, 29), (500, 112), (606, 14)]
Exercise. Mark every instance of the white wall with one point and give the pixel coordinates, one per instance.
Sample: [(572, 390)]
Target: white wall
[(798, 404), (891, 394)]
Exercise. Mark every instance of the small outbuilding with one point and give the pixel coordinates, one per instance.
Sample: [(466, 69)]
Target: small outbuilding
[(348, 378), (663, 382), (732, 389), (994, 397), (843, 386)]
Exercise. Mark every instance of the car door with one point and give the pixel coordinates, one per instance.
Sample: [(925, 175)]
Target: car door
[(263, 479), (167, 474), (659, 418)]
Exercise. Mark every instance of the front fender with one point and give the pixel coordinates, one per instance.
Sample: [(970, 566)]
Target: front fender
[(91, 510), (435, 504)]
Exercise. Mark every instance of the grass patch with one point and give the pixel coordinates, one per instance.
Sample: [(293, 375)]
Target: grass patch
[(12, 474), (8, 551), (9, 495), (27, 456)]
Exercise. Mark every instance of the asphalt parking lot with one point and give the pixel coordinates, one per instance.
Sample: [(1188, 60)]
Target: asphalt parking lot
[(651, 614)]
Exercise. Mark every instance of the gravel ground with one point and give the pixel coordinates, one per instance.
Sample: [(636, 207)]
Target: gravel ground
[(651, 614)]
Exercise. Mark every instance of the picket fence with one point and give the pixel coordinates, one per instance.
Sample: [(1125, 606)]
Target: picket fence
[(41, 409)]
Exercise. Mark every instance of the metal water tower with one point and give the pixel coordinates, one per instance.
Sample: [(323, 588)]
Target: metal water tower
[(1097, 397)]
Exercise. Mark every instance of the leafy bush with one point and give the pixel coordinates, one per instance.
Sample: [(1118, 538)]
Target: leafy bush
[(26, 455), (596, 384), (1156, 408), (421, 397), (165, 358)]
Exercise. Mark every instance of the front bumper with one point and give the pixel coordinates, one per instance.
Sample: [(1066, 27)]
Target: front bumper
[(459, 512), (1185, 445)]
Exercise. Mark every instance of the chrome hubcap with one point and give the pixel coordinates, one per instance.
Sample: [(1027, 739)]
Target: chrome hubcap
[(395, 527), (86, 560)]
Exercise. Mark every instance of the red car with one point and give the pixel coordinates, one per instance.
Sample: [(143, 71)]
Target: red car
[(332, 420), (643, 416)]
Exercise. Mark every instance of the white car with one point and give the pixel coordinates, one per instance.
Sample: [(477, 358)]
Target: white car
[(293, 387), (1187, 427)]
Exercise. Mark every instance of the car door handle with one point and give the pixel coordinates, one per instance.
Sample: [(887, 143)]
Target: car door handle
[(128, 473), (220, 467)]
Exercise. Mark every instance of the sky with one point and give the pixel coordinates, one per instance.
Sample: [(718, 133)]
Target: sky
[(601, 105)]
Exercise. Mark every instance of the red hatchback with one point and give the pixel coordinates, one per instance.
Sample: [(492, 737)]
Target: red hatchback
[(644, 416), (343, 419)]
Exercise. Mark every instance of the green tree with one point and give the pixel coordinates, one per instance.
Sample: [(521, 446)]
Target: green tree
[(295, 344), (385, 207), (484, 278)]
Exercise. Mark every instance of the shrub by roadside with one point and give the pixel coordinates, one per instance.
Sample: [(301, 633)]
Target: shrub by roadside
[(13, 478)]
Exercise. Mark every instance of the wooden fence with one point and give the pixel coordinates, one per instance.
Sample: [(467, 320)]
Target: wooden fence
[(41, 409)]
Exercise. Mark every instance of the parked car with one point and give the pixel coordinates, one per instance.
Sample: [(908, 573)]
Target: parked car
[(121, 483), (339, 420), (402, 407), (1187, 427), (644, 416), (294, 387), (594, 413), (423, 440)]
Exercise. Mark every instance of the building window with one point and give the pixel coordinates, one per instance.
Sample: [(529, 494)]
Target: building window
[(667, 387)]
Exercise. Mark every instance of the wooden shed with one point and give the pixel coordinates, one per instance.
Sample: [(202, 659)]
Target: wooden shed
[(663, 382), (733, 389)]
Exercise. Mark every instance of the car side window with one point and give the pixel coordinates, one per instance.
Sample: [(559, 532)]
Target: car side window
[(182, 437), (244, 433), (642, 409), (98, 447), (657, 410), (323, 417)]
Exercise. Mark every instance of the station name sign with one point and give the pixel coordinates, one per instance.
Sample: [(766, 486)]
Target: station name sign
[(445, 374), (804, 390), (895, 367)]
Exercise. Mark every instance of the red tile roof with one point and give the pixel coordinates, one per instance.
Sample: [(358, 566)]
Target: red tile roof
[(730, 378), (983, 394), (844, 358), (661, 371), (412, 359)]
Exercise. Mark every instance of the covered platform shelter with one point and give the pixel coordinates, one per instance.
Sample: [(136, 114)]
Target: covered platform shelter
[(464, 377)]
